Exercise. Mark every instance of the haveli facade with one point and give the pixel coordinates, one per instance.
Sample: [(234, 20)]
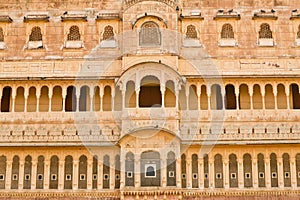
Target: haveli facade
[(150, 99)]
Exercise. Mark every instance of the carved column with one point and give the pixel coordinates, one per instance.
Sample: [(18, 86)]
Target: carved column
[(177, 99), (263, 93), (92, 103), (268, 172), (8, 173), (46, 174), (100, 174), (61, 174), (211, 173), (280, 172), (13, 96), (275, 96), (26, 94), (201, 173), (223, 94), (137, 94), (123, 99), (189, 172), (287, 91), (137, 168), (77, 99), (50, 94), (122, 170), (38, 95), (208, 97), (162, 90), (251, 96), (163, 171), (89, 174), (254, 173), (199, 95), (237, 94), (75, 174), (21, 172), (112, 98), (33, 174), (293, 173), (101, 93), (187, 92), (112, 173), (64, 95), (178, 172), (241, 173), (226, 173)]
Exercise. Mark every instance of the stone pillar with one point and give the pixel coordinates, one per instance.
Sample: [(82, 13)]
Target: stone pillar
[(241, 173), (101, 93), (287, 92), (226, 173), (89, 174), (137, 168), (178, 172), (8, 174), (201, 173), (237, 94), (250, 88), (254, 173), (77, 99), (112, 98), (275, 96), (123, 99), (263, 97), (112, 173), (122, 170), (21, 173), (75, 174), (64, 95), (223, 94), (50, 94), (187, 92), (137, 93), (280, 172), (33, 174), (26, 94), (46, 174), (163, 172), (211, 171), (293, 172), (13, 101), (100, 174), (92, 98), (268, 172), (61, 174), (189, 173), (162, 90), (209, 103), (177, 99), (38, 95), (199, 95)]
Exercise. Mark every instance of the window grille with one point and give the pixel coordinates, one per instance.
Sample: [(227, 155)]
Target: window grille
[(108, 33), (227, 32), (74, 34), (1, 35), (149, 34), (35, 34), (191, 32), (265, 31)]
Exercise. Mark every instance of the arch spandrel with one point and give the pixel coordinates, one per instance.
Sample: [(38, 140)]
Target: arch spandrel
[(170, 3)]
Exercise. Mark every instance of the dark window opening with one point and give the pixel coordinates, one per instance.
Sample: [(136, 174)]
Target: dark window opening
[(5, 100)]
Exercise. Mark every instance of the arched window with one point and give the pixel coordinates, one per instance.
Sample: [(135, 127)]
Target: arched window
[(36, 34), (227, 32), (108, 33), (149, 34), (191, 32), (150, 171), (74, 34), (1, 35), (265, 31)]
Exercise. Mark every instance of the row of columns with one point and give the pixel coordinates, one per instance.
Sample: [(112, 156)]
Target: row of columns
[(61, 174)]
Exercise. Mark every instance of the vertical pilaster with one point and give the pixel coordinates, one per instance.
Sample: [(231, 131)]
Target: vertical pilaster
[(75, 174), (61, 176), (178, 172), (137, 94), (46, 174), (211, 173), (280, 172), (8, 174), (201, 173), (189, 172), (241, 173), (137, 176), (254, 173), (89, 174), (112, 173), (226, 173), (293, 172), (268, 172), (21, 172), (100, 174), (33, 174)]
